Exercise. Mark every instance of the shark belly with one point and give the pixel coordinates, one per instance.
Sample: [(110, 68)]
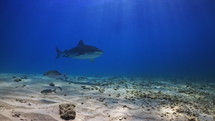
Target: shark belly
[(86, 56)]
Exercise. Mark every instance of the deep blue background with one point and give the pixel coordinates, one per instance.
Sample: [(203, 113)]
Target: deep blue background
[(137, 36)]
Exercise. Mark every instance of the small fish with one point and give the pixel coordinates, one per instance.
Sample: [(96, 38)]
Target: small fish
[(48, 91), (51, 84), (81, 51), (55, 74), (52, 73)]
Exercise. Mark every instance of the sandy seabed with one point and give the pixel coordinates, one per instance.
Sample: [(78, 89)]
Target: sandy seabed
[(106, 99)]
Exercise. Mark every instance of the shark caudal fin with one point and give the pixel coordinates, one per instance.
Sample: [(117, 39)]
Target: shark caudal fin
[(58, 53)]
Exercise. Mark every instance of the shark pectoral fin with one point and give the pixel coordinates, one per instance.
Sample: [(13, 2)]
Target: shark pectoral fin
[(92, 60)]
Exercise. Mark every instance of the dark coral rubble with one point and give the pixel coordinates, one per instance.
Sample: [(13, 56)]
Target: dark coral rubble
[(184, 97), (67, 111)]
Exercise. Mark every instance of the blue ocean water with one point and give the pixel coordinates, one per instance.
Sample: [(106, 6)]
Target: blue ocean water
[(138, 37)]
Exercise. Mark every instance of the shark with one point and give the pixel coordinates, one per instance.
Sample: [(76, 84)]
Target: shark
[(81, 51)]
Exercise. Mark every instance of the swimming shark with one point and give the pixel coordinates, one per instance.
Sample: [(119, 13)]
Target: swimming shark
[(81, 51)]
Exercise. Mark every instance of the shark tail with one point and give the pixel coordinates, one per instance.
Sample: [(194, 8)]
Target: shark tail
[(58, 53)]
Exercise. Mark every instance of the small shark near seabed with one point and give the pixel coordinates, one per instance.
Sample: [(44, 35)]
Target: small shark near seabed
[(81, 51)]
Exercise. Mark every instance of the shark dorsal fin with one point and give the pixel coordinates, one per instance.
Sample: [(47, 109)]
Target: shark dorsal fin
[(81, 43)]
